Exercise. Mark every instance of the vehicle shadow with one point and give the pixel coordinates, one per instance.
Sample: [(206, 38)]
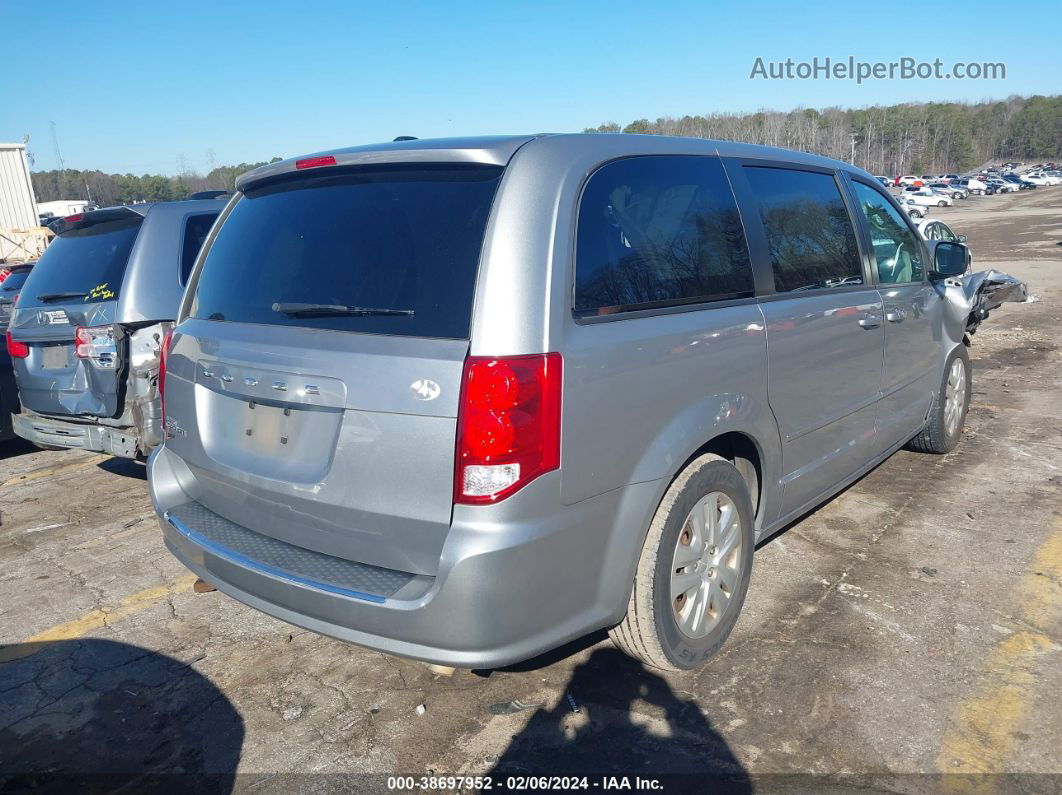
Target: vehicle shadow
[(126, 467), (13, 448), (100, 716), (623, 719)]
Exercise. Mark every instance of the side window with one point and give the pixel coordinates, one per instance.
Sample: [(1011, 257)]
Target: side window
[(196, 229), (809, 233), (896, 249), (658, 231)]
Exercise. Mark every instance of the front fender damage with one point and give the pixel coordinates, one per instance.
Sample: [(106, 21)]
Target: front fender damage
[(969, 299)]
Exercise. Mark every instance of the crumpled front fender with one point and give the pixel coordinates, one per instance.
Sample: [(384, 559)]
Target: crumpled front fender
[(969, 299)]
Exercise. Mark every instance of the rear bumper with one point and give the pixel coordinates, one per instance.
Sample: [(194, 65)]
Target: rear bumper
[(514, 580), (55, 432)]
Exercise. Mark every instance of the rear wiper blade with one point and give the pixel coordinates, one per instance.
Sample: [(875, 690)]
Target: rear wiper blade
[(48, 297), (304, 310)]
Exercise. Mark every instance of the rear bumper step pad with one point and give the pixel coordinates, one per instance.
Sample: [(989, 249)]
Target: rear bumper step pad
[(270, 556)]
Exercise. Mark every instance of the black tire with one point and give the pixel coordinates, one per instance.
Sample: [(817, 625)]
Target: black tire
[(935, 437), (650, 631), (942, 204)]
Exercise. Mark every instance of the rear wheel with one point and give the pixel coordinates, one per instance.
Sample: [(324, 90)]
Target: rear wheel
[(942, 204), (694, 569), (943, 430)]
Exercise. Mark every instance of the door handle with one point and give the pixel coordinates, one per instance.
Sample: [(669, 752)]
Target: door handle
[(869, 321), (895, 315)]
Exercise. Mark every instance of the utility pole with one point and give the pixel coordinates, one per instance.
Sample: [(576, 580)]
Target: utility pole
[(58, 159), (55, 144)]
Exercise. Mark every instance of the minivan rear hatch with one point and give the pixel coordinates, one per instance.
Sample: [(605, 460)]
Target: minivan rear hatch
[(312, 388), (75, 285)]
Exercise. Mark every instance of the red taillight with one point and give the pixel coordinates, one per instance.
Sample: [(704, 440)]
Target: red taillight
[(315, 162), (16, 349), (164, 355), (4, 273), (508, 428), (97, 343), (73, 219)]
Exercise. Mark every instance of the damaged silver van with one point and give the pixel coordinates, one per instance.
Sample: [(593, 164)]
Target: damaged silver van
[(466, 400), (86, 331)]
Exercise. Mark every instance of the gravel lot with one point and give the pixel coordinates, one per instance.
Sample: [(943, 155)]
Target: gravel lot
[(911, 625)]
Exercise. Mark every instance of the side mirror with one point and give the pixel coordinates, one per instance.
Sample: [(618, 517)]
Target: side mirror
[(949, 259)]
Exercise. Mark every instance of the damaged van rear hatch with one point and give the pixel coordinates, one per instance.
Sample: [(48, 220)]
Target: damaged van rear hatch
[(67, 352)]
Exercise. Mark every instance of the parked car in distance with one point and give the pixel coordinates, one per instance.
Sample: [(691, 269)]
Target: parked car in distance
[(928, 198), (907, 179), (914, 211), (1002, 186), (451, 449), (86, 333), (885, 181), (949, 178), (954, 191), (974, 186), (932, 229), (12, 277), (1036, 179)]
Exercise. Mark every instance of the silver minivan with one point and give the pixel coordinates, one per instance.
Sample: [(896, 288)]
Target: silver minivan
[(466, 400)]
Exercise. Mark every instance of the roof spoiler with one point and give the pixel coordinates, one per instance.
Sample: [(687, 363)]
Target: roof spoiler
[(91, 218)]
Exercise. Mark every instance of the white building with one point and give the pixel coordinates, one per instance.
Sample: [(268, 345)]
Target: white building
[(19, 235)]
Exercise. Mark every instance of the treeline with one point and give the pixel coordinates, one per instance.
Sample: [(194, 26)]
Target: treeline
[(108, 189), (934, 137)]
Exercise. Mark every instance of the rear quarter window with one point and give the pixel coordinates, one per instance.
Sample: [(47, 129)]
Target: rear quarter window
[(658, 231), (196, 229), (392, 238)]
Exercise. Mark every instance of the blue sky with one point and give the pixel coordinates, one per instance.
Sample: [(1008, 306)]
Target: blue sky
[(134, 87)]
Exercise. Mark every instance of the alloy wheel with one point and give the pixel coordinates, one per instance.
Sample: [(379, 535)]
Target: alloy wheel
[(707, 564)]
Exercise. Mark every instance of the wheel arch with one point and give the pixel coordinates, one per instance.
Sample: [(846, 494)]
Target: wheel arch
[(744, 452)]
